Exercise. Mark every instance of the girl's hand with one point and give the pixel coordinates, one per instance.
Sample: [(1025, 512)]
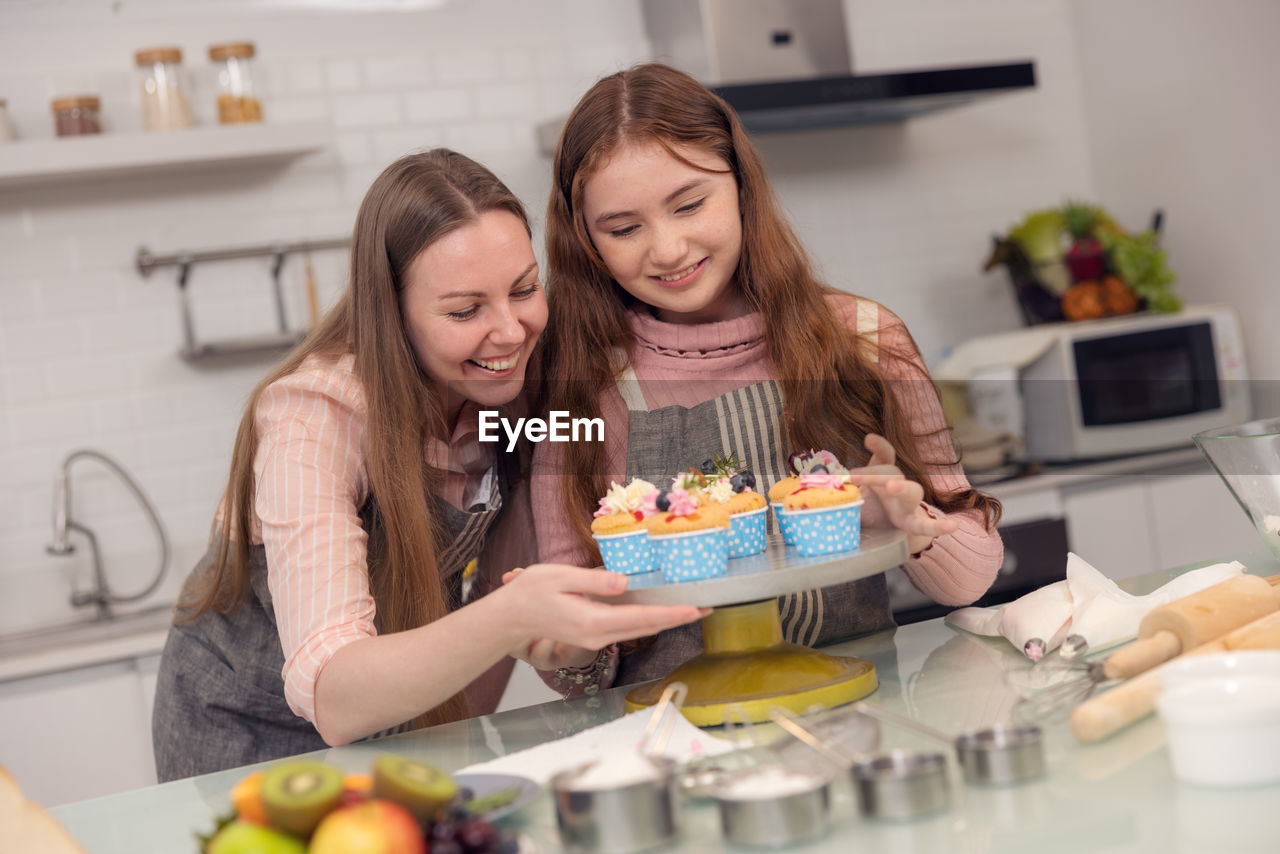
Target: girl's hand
[(891, 500), (563, 626)]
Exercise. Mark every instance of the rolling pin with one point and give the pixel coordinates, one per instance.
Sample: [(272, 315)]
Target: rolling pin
[(1173, 628), (1099, 717)]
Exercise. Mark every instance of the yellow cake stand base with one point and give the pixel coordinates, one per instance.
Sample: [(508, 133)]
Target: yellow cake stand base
[(747, 665)]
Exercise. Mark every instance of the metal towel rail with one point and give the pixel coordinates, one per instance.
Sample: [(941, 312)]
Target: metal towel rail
[(282, 339)]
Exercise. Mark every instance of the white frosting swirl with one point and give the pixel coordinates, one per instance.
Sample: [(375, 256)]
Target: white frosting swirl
[(626, 499)]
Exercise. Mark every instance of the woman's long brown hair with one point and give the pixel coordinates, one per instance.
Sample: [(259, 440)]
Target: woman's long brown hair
[(414, 202), (834, 390)]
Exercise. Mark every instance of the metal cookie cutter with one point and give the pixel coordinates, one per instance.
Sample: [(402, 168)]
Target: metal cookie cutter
[(768, 804), (897, 785), (999, 755)]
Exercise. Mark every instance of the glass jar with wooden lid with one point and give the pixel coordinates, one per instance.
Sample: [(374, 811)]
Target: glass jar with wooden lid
[(76, 115), (165, 105), (237, 96)]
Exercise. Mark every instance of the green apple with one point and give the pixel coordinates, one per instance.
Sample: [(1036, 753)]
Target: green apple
[(243, 837), (372, 827)]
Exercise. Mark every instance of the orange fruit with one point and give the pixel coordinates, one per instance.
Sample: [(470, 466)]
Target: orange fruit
[(246, 797), (1118, 296), (1084, 301)]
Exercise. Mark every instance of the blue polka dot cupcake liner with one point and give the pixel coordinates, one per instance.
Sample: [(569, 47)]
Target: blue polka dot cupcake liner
[(693, 555), (784, 524), (630, 553), (826, 530), (746, 533)]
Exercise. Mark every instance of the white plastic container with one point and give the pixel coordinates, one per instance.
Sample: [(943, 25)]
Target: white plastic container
[(1223, 730)]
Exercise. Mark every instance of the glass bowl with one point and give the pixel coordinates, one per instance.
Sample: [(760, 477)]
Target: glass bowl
[(1247, 457)]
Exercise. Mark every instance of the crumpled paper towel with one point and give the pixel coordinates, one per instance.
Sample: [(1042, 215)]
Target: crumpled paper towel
[(1087, 603), (544, 761)]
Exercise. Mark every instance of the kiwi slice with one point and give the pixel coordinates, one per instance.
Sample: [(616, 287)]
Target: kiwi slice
[(416, 786), (298, 793)]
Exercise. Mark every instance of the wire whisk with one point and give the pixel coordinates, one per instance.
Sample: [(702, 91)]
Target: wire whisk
[(1050, 689)]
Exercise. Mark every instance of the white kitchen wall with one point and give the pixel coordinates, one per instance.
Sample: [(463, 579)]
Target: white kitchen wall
[(88, 347), (1181, 106), (902, 213)]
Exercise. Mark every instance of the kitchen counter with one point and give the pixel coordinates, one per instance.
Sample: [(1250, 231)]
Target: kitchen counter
[(1052, 476), (1115, 796), (86, 643)]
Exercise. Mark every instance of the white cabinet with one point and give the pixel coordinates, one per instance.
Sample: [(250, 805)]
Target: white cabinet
[(1110, 526), (79, 733), (1196, 519), (1136, 515), (1129, 525), (525, 688)]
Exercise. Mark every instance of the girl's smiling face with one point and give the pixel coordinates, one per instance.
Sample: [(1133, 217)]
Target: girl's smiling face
[(473, 307), (670, 234)]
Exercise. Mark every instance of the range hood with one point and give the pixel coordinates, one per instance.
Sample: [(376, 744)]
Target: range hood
[(787, 65)]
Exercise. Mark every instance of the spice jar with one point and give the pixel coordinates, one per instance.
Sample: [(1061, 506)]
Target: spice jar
[(6, 129), (76, 115), (237, 100), (165, 105)]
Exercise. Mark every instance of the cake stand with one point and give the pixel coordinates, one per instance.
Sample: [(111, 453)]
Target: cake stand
[(745, 664)]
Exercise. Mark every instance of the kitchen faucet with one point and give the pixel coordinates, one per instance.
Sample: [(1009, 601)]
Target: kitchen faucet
[(101, 595)]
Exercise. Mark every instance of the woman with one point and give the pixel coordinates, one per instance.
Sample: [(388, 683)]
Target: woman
[(331, 605), (686, 314)]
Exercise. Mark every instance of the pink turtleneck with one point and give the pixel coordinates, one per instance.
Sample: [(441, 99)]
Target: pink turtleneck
[(706, 360)]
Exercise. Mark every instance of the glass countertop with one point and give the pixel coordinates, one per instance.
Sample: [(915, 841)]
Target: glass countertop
[(1118, 795)]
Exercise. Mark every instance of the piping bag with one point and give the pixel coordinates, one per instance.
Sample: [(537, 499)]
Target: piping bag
[(1086, 603)]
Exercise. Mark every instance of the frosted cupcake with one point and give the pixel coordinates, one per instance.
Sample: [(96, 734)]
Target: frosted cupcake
[(619, 529), (691, 540), (825, 514), (777, 493), (823, 462), (746, 508)]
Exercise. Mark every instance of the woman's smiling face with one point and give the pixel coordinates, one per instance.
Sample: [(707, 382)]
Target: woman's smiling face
[(670, 234), (473, 306)]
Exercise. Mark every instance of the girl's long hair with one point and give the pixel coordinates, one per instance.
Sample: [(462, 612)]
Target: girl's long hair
[(834, 390), (414, 202)]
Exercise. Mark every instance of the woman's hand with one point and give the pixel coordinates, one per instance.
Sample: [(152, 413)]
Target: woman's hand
[(563, 625), (891, 500)]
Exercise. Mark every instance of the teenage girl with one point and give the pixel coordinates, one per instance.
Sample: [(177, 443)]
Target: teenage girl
[(331, 604), (685, 312)]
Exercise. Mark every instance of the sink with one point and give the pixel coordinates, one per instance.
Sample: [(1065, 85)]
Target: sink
[(88, 631)]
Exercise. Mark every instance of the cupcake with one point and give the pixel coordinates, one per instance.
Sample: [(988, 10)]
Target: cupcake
[(824, 514), (691, 540), (746, 508), (801, 463), (619, 529), (777, 493)]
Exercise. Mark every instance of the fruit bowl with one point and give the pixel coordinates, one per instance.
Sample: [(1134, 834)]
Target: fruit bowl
[(1247, 457)]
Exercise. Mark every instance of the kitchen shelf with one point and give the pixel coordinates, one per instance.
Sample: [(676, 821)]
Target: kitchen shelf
[(63, 159)]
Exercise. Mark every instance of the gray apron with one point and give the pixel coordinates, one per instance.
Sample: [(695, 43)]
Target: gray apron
[(220, 691), (747, 422)]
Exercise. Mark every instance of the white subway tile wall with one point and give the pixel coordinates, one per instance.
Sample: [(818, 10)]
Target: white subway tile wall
[(88, 347)]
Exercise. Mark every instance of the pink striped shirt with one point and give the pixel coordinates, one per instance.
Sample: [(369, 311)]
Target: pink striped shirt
[(311, 481), (709, 359)]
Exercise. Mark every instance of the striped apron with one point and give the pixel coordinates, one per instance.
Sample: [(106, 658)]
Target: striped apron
[(746, 422), (220, 691)]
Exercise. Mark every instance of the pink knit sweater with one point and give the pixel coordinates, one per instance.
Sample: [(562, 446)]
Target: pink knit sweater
[(710, 359)]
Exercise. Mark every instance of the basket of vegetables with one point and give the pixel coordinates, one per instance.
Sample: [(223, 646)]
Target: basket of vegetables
[(1075, 262)]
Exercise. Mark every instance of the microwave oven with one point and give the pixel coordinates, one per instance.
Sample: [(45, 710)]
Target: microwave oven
[(1109, 387)]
